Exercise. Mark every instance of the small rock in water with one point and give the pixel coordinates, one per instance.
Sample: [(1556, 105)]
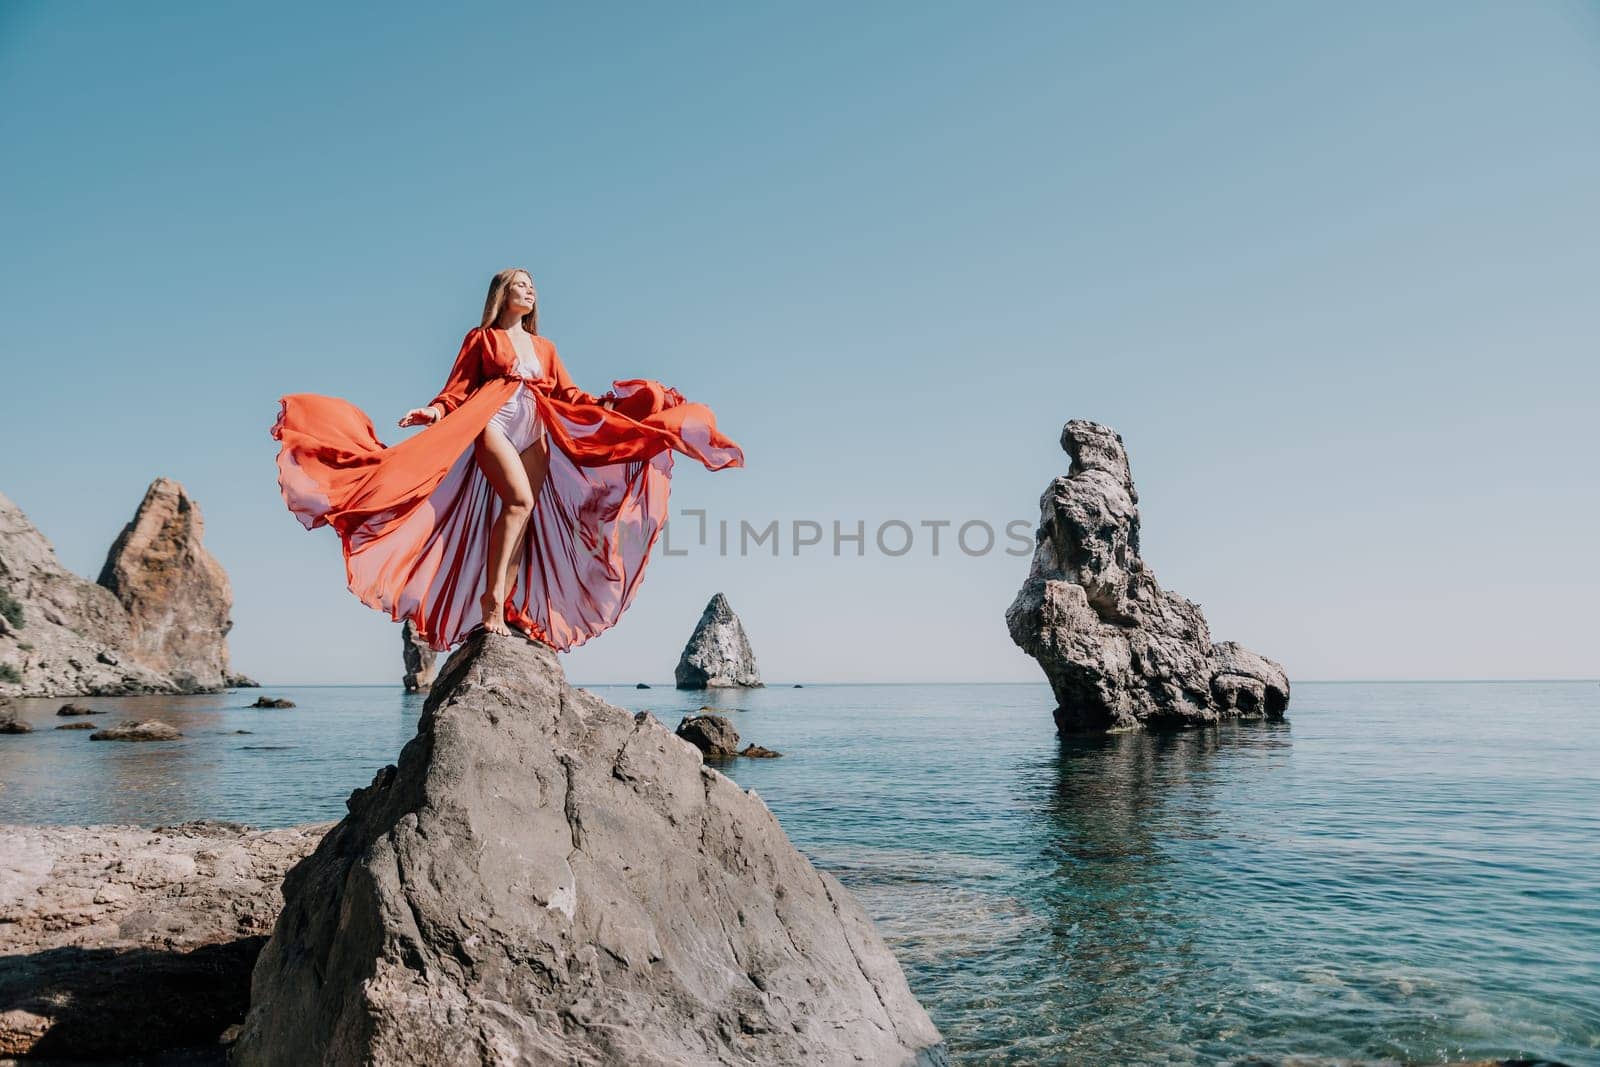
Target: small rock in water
[(757, 752), (151, 730), (713, 735), (77, 726), (77, 709), (14, 726), (272, 702), (641, 685)]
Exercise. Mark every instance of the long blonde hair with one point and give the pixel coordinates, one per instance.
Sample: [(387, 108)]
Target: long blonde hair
[(497, 298)]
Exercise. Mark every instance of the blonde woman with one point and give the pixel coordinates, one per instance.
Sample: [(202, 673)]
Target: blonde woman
[(524, 503)]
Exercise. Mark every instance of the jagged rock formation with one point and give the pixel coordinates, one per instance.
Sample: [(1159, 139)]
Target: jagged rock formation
[(163, 629), (419, 659), (117, 941), (547, 879), (176, 594), (1120, 651), (718, 652)]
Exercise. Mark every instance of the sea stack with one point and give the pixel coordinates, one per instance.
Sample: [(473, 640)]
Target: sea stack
[(158, 625), (177, 595), (1118, 650), (545, 878), (419, 660), (718, 653)]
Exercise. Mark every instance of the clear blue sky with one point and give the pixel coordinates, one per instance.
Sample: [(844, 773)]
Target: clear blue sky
[(1329, 268)]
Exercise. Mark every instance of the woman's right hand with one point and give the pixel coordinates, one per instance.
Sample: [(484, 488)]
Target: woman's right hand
[(420, 416)]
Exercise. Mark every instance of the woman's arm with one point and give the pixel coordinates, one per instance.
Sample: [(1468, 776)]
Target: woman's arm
[(465, 375), (566, 389)]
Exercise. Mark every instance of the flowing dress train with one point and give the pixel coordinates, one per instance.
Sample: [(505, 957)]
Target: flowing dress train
[(414, 517)]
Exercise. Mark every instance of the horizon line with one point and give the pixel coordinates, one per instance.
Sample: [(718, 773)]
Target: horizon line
[(807, 685)]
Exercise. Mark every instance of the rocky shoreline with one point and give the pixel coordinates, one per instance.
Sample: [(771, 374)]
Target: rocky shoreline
[(124, 941)]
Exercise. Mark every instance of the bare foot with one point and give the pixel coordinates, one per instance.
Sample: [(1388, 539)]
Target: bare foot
[(494, 619)]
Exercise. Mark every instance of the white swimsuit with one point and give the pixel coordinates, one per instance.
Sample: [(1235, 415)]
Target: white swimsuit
[(519, 418)]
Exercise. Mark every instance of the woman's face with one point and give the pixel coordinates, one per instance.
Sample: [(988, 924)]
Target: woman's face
[(520, 294)]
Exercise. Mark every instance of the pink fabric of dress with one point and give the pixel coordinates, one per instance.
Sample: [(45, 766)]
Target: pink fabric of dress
[(414, 518)]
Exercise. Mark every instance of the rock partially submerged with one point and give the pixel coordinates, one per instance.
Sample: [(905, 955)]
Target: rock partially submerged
[(149, 730), (77, 709), (118, 941), (273, 702), (718, 652), (547, 879), (713, 735), (160, 627), (1119, 650), (716, 738), (419, 659)]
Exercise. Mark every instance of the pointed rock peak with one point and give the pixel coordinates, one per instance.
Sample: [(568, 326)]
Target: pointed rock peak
[(551, 878), (718, 653), (59, 633), (1094, 447), (176, 594)]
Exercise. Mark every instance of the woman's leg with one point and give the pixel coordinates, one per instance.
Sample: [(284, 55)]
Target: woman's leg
[(536, 466), (503, 467)]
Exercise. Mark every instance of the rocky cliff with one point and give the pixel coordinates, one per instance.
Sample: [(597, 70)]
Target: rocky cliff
[(158, 625), (176, 594), (1119, 650), (547, 879), (718, 652)]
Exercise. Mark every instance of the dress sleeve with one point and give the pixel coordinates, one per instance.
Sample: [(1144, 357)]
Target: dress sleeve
[(465, 375), (565, 389)]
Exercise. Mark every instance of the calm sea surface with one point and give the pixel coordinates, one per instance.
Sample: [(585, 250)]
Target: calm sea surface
[(1403, 871)]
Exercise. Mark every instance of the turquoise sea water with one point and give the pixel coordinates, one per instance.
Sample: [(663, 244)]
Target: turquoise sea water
[(1403, 871)]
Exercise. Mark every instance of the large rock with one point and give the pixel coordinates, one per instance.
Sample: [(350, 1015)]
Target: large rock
[(547, 879), (176, 594), (117, 941), (1120, 651), (419, 660), (64, 636), (718, 652)]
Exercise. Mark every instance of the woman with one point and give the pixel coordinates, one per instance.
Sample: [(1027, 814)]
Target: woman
[(477, 521)]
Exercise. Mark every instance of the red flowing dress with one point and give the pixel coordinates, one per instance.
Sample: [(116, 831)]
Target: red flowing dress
[(414, 518)]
